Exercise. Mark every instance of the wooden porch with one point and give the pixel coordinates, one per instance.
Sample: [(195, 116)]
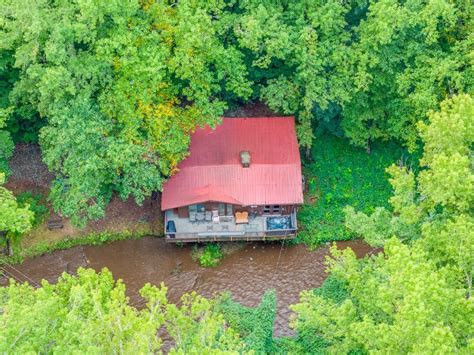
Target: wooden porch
[(179, 229)]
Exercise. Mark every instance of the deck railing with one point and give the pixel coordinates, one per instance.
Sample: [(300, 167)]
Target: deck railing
[(231, 235)]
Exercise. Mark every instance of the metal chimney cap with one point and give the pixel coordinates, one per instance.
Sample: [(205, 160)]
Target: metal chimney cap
[(245, 158)]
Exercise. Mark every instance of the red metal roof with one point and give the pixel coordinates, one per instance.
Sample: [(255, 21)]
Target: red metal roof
[(213, 172)]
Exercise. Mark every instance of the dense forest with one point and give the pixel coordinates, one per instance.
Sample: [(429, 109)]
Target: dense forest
[(112, 90)]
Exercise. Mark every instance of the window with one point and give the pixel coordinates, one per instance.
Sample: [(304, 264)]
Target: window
[(272, 209), (196, 208), (201, 207), (221, 208), (225, 209)]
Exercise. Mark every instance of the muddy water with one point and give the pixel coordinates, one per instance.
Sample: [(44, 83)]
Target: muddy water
[(247, 272)]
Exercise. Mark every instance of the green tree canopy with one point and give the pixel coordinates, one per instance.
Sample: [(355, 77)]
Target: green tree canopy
[(396, 302), (90, 313), (118, 88), (407, 57), (121, 86), (436, 207), (14, 220)]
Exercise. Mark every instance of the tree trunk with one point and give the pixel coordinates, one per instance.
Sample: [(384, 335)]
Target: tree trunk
[(469, 284), (9, 248), (4, 235), (308, 154), (368, 146)]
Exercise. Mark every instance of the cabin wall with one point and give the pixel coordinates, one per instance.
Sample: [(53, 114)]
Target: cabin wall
[(183, 212), (260, 210)]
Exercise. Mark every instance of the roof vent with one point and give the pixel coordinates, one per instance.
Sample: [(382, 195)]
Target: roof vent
[(245, 158)]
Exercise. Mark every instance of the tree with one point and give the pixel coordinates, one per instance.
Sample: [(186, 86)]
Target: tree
[(407, 57), (303, 47), (397, 302), (6, 143), (14, 220), (434, 208), (368, 69), (447, 186), (91, 313), (121, 87)]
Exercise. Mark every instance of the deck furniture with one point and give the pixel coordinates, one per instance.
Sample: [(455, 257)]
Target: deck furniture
[(192, 216), (208, 216), (200, 216), (171, 229), (226, 218), (184, 230), (241, 217), (215, 216)]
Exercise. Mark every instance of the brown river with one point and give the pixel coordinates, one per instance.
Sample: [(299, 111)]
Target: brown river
[(246, 272)]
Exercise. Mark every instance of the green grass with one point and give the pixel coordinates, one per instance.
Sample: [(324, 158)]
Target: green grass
[(341, 175), (90, 239)]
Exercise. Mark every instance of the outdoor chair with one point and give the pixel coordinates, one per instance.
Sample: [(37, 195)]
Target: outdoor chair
[(215, 216), (208, 216), (241, 217), (192, 217), (200, 216)]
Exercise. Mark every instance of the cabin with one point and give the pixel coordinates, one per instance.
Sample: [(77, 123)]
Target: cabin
[(241, 181)]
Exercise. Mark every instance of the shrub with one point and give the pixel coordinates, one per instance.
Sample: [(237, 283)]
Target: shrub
[(208, 256), (254, 324), (35, 201), (341, 175)]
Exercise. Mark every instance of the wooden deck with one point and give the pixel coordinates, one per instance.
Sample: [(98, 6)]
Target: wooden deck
[(225, 230)]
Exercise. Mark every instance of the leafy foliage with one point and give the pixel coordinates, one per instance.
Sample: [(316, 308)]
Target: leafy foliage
[(35, 202), (121, 87), (416, 297), (90, 313), (208, 256), (408, 57), (437, 205), (342, 175), (371, 67), (255, 325), (303, 46), (398, 302), (15, 220)]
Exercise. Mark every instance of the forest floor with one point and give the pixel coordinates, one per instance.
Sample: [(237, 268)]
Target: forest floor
[(30, 174)]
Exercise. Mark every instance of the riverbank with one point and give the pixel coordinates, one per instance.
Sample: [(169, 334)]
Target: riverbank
[(46, 247), (247, 272), (123, 219)]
